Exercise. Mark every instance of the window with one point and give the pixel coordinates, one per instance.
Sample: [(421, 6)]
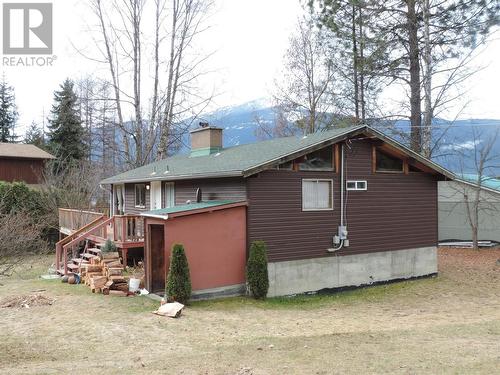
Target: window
[(356, 185), (288, 166), (321, 160), (140, 195), (388, 163), (317, 195)]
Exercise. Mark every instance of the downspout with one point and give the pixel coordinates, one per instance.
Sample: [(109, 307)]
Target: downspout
[(342, 183)]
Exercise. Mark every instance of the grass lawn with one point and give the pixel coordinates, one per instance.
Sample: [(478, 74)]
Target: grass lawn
[(449, 324)]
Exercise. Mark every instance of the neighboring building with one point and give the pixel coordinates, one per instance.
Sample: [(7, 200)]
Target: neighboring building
[(21, 162), (344, 207), (453, 217)]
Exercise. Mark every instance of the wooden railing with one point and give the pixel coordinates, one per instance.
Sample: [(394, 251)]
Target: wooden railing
[(60, 245), (73, 219), (128, 228)]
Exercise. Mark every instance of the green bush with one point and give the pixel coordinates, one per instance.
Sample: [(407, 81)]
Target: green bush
[(109, 246), (257, 278), (17, 196), (178, 285)]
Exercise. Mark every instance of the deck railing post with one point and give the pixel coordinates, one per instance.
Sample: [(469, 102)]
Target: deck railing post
[(65, 251)]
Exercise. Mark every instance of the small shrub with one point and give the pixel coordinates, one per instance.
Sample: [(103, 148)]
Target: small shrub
[(178, 285), (109, 246), (257, 277)]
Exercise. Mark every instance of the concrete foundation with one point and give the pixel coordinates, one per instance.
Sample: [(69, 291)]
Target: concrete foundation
[(224, 291), (308, 275)]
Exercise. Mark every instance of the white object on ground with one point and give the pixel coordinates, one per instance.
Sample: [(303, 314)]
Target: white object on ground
[(172, 310), (50, 277), (143, 292), (133, 285)]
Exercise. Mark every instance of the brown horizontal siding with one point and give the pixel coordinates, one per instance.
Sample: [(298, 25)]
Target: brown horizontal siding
[(130, 200), (29, 171), (397, 211), (211, 189)]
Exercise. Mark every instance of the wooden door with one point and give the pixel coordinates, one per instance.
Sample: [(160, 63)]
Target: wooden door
[(157, 247)]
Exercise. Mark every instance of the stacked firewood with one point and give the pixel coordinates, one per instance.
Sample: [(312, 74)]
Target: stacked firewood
[(104, 274)]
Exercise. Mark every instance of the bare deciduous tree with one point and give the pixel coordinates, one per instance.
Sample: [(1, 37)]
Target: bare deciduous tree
[(131, 49), (478, 165), (20, 236), (304, 93)]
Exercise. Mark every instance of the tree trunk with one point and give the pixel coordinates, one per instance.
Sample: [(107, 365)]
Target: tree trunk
[(355, 64), (415, 104), (428, 110), (362, 67)]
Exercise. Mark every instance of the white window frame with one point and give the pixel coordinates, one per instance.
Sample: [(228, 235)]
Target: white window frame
[(356, 187), (318, 180), (135, 196)]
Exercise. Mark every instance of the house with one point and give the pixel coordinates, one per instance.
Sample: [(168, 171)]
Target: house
[(453, 219), (21, 162), (344, 207)]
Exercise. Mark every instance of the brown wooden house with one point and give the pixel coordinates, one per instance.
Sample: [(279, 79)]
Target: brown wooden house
[(344, 207), (21, 162)]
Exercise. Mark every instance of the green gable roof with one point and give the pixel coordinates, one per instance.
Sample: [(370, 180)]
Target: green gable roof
[(249, 159), (231, 161)]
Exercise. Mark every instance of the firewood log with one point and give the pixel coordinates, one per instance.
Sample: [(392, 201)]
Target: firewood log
[(118, 293)]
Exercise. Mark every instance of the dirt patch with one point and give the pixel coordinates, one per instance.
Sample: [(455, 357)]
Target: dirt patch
[(26, 301)]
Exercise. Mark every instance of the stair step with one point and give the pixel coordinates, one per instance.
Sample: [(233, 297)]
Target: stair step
[(94, 251), (79, 261), (88, 256), (72, 267)]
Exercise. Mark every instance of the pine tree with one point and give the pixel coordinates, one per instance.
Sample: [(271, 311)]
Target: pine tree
[(8, 112), (178, 286), (34, 136), (66, 133)]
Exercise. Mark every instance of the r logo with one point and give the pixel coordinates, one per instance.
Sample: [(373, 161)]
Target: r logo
[(27, 28)]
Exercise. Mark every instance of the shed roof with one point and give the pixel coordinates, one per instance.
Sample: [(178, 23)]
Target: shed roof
[(248, 159), (18, 150), (192, 208)]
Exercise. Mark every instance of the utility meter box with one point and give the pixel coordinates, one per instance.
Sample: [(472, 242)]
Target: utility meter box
[(342, 232)]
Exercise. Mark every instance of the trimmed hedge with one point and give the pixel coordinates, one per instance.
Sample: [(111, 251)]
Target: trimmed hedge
[(257, 277), (178, 285)]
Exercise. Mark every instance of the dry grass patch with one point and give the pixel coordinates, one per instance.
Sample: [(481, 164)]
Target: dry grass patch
[(447, 325)]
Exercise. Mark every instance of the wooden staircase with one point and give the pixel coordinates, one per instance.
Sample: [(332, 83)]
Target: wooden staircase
[(74, 265), (127, 231)]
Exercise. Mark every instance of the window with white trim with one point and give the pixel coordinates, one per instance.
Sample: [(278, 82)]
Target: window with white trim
[(317, 194), (140, 195), (356, 185)]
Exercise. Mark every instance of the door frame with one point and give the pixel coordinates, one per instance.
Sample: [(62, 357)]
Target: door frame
[(147, 249)]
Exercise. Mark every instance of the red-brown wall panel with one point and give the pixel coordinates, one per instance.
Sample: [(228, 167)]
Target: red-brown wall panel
[(29, 171)]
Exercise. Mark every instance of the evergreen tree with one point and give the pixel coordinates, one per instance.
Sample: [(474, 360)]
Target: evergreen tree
[(257, 276), (178, 286), (34, 136), (66, 133), (409, 42), (8, 112)]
